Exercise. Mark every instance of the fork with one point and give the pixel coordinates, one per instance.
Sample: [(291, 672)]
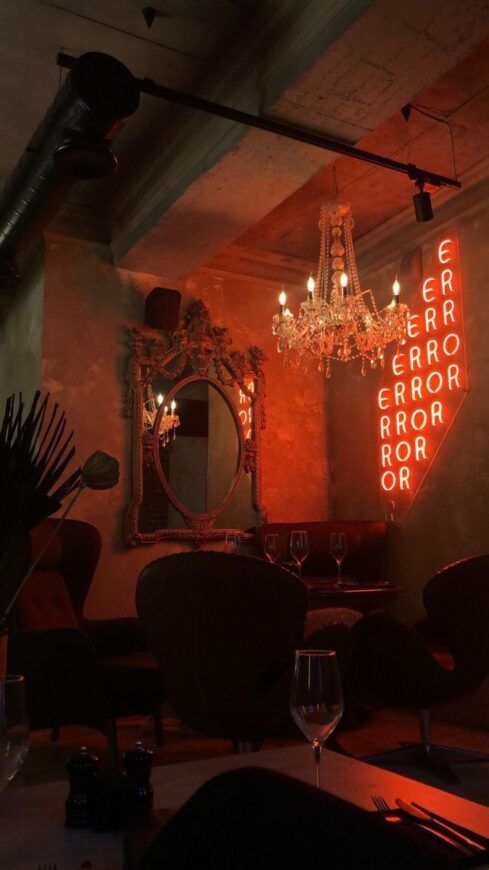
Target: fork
[(379, 802), (396, 816)]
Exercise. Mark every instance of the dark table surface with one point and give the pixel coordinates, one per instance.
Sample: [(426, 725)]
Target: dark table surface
[(325, 592)]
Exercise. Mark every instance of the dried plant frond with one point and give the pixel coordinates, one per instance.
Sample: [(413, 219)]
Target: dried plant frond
[(34, 455)]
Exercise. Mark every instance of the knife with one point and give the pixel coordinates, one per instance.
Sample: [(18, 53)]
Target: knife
[(424, 815), (484, 841)]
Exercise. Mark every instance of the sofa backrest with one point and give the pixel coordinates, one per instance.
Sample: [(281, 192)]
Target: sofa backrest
[(364, 538)]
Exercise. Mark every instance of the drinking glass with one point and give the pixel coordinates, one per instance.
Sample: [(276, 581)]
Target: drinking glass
[(299, 548), (316, 699), (338, 547), (271, 547), (232, 543), (14, 728)]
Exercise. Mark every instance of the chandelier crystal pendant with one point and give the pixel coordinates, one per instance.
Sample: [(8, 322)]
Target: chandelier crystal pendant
[(339, 320)]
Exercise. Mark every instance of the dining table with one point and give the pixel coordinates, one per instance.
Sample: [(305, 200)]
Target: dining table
[(32, 817)]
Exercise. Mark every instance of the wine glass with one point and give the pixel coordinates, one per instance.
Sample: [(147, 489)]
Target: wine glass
[(338, 547), (14, 728), (232, 543), (316, 699), (299, 548), (271, 547)]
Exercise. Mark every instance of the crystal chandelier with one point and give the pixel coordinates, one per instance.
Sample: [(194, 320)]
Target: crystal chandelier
[(339, 320), (168, 422)]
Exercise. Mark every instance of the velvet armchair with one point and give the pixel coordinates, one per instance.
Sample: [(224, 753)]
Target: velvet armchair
[(78, 670)]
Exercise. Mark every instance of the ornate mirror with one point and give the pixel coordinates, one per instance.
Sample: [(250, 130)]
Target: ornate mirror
[(197, 414)]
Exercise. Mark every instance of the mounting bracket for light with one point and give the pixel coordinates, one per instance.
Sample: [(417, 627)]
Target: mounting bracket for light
[(283, 128)]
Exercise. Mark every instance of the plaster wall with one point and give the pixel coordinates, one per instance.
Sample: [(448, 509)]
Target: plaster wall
[(21, 331), (448, 518), (88, 304)]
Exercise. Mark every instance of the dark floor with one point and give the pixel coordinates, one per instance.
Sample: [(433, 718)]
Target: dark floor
[(382, 731)]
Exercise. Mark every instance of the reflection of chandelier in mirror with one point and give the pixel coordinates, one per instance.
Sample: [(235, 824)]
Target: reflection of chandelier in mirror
[(168, 422), (339, 320)]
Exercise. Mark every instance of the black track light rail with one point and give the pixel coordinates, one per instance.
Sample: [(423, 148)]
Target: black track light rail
[(290, 131)]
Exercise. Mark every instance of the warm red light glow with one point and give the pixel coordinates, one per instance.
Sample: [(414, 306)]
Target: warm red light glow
[(426, 381)]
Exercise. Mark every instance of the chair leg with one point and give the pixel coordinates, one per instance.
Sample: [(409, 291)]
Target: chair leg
[(55, 733), (158, 727), (112, 741), (425, 730)]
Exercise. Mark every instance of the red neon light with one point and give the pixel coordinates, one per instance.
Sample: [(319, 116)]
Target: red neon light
[(424, 383), (245, 408)]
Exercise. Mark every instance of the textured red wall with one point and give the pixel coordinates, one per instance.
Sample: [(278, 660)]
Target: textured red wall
[(88, 304)]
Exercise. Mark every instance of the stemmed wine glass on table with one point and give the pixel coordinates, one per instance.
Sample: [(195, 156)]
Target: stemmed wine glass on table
[(14, 728), (316, 699), (271, 547), (232, 543), (299, 548), (338, 547)]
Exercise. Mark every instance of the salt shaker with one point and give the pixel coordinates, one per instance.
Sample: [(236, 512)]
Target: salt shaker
[(137, 765), (81, 801)]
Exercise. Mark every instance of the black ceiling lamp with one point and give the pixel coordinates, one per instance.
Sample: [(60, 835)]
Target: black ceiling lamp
[(422, 203)]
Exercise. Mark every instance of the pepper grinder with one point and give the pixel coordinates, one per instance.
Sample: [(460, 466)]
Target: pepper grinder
[(81, 801), (137, 765)]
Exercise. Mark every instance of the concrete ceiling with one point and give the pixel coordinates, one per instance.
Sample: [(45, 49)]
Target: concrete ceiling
[(193, 190), (453, 142)]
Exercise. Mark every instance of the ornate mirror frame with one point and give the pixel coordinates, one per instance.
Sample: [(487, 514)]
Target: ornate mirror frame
[(199, 346)]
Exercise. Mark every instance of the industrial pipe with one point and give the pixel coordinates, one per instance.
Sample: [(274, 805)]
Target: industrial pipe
[(73, 142)]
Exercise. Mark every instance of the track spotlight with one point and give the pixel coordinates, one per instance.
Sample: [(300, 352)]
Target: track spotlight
[(422, 204)]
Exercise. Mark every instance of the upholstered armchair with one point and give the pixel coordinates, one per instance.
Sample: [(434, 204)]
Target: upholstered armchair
[(78, 670), (394, 666), (223, 629)]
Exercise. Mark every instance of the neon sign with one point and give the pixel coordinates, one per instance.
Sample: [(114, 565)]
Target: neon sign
[(424, 383), (245, 408)]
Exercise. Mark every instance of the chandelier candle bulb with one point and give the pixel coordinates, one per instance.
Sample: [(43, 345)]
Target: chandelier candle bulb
[(160, 398), (343, 284), (282, 300), (311, 284), (396, 291), (173, 406)]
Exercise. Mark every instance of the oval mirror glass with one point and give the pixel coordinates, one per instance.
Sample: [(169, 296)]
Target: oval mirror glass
[(201, 463)]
